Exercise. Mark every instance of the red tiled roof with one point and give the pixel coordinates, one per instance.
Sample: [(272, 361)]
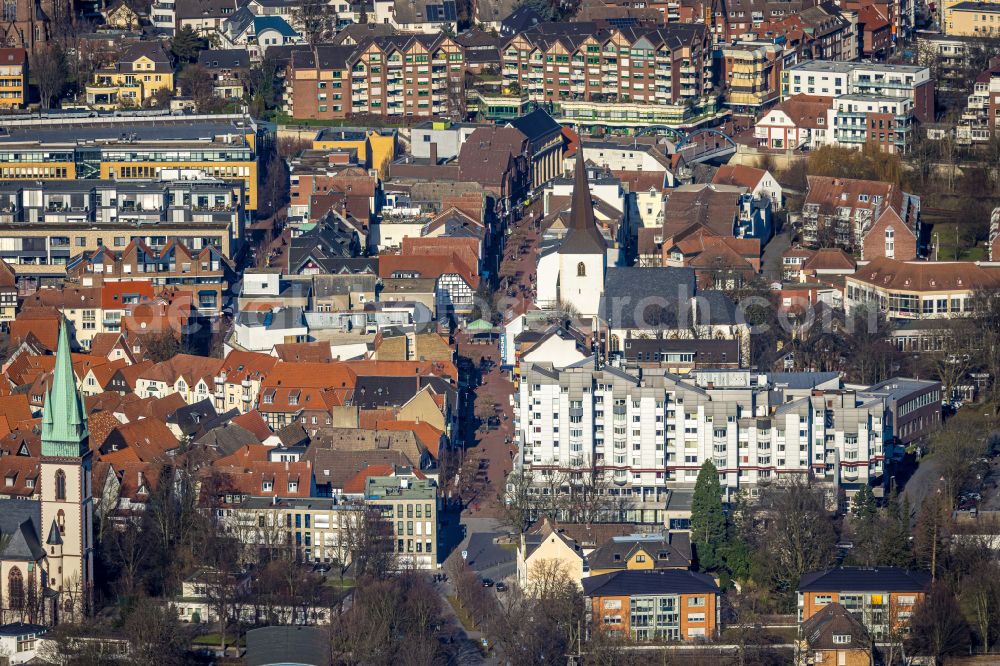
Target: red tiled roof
[(642, 181), (466, 249), (873, 18), (187, 366), (100, 425), (830, 258), (15, 408), (806, 110), (291, 387), (309, 352), (25, 436), (927, 275), (368, 419), (13, 56), (833, 193), (244, 456), (356, 484), (120, 457), (16, 472), (114, 293), (102, 343), (67, 297), (427, 267), (254, 423), (426, 434), (373, 368), (43, 323), (738, 174), (244, 365), (136, 476), (250, 479), (150, 438)]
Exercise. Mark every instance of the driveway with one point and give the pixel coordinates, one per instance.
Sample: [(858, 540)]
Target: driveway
[(771, 261), (926, 479), (489, 559)]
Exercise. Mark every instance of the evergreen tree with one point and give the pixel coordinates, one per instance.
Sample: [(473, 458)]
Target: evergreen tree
[(708, 520), (863, 504), (894, 534), (186, 45)]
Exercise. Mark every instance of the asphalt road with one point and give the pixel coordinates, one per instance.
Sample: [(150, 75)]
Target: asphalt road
[(771, 260)]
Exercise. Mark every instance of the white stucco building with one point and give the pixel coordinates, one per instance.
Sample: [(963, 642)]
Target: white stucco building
[(571, 273)]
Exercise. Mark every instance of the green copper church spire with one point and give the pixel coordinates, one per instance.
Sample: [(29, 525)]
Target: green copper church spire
[(64, 419)]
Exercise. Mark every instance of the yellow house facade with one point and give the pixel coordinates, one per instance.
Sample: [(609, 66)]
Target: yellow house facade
[(375, 149), (133, 80), (548, 557), (13, 78)]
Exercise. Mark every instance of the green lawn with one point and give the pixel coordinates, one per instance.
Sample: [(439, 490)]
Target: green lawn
[(945, 234), (347, 583), (212, 640), (463, 615)]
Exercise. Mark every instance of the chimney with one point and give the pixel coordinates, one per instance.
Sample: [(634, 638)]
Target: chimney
[(434, 152)]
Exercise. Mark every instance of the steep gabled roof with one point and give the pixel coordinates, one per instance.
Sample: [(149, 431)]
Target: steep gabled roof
[(582, 236), (834, 619)]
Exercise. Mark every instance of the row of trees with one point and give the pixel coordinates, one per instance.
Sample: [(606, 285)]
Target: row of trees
[(583, 495)]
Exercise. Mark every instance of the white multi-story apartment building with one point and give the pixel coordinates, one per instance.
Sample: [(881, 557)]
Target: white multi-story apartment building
[(651, 432), (832, 78)]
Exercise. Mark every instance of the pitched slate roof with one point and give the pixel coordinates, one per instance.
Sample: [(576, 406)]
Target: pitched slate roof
[(582, 236), (279, 645), (536, 125), (834, 619), (224, 59), (487, 154), (712, 207), (858, 579), (671, 550), (627, 288), (276, 23), (639, 583), (335, 467), (20, 520)]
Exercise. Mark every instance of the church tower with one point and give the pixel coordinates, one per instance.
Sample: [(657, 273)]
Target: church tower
[(583, 252), (66, 493)]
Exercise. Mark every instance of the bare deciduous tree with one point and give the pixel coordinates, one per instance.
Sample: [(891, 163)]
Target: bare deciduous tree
[(790, 532), (48, 68), (937, 627)]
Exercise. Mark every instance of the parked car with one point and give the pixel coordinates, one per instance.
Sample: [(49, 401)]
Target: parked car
[(487, 582), (501, 587)]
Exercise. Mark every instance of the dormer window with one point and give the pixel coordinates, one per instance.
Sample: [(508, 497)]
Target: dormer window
[(267, 486), (10, 481), (842, 639), (293, 486)]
